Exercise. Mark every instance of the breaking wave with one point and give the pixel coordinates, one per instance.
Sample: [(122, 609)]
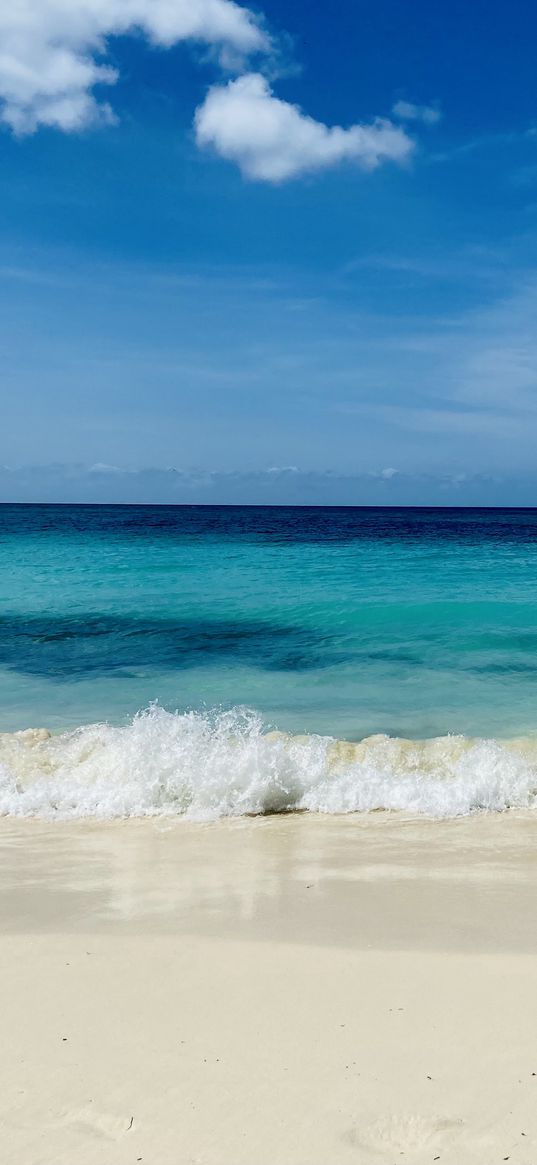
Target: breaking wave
[(204, 766)]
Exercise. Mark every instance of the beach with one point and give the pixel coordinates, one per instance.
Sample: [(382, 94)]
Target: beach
[(268, 782), (288, 990)]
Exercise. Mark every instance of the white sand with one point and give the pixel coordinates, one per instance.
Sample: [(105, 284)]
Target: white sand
[(285, 991)]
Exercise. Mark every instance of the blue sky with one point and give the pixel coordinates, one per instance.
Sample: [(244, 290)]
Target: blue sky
[(196, 276)]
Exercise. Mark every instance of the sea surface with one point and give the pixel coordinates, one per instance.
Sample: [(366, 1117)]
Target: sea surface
[(213, 660)]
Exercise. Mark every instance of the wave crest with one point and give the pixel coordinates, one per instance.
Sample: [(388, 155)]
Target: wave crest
[(203, 766)]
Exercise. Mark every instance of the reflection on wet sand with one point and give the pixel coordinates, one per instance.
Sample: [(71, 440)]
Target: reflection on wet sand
[(383, 881)]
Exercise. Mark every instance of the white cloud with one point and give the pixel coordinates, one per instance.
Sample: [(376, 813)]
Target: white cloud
[(75, 483), (272, 140), (407, 111), (54, 71), (102, 467), (51, 51)]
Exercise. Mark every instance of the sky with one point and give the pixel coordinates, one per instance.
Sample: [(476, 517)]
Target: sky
[(277, 254)]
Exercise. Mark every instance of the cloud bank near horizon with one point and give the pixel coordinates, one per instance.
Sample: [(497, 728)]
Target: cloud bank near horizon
[(54, 64), (277, 485)]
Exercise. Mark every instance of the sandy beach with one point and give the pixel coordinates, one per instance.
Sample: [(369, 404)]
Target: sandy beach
[(282, 991)]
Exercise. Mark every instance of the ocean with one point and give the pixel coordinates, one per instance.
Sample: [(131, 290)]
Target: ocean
[(206, 661)]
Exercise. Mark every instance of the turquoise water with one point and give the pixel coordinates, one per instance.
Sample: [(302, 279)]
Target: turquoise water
[(345, 622), (205, 662)]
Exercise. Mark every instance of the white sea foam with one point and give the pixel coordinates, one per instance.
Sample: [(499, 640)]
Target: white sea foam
[(203, 767)]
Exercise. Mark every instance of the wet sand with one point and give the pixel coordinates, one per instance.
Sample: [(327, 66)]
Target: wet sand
[(292, 990)]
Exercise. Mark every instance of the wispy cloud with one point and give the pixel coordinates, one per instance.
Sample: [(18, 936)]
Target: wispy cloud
[(478, 379), (483, 143), (408, 111), (471, 263), (280, 386)]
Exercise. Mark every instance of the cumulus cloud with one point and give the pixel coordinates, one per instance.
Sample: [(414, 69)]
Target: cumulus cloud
[(52, 51), (407, 111), (55, 71), (272, 140)]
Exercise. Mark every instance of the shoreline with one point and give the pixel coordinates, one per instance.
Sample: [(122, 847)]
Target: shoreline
[(205, 766), (295, 989)]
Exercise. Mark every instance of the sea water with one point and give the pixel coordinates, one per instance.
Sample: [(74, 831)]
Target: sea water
[(225, 660)]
